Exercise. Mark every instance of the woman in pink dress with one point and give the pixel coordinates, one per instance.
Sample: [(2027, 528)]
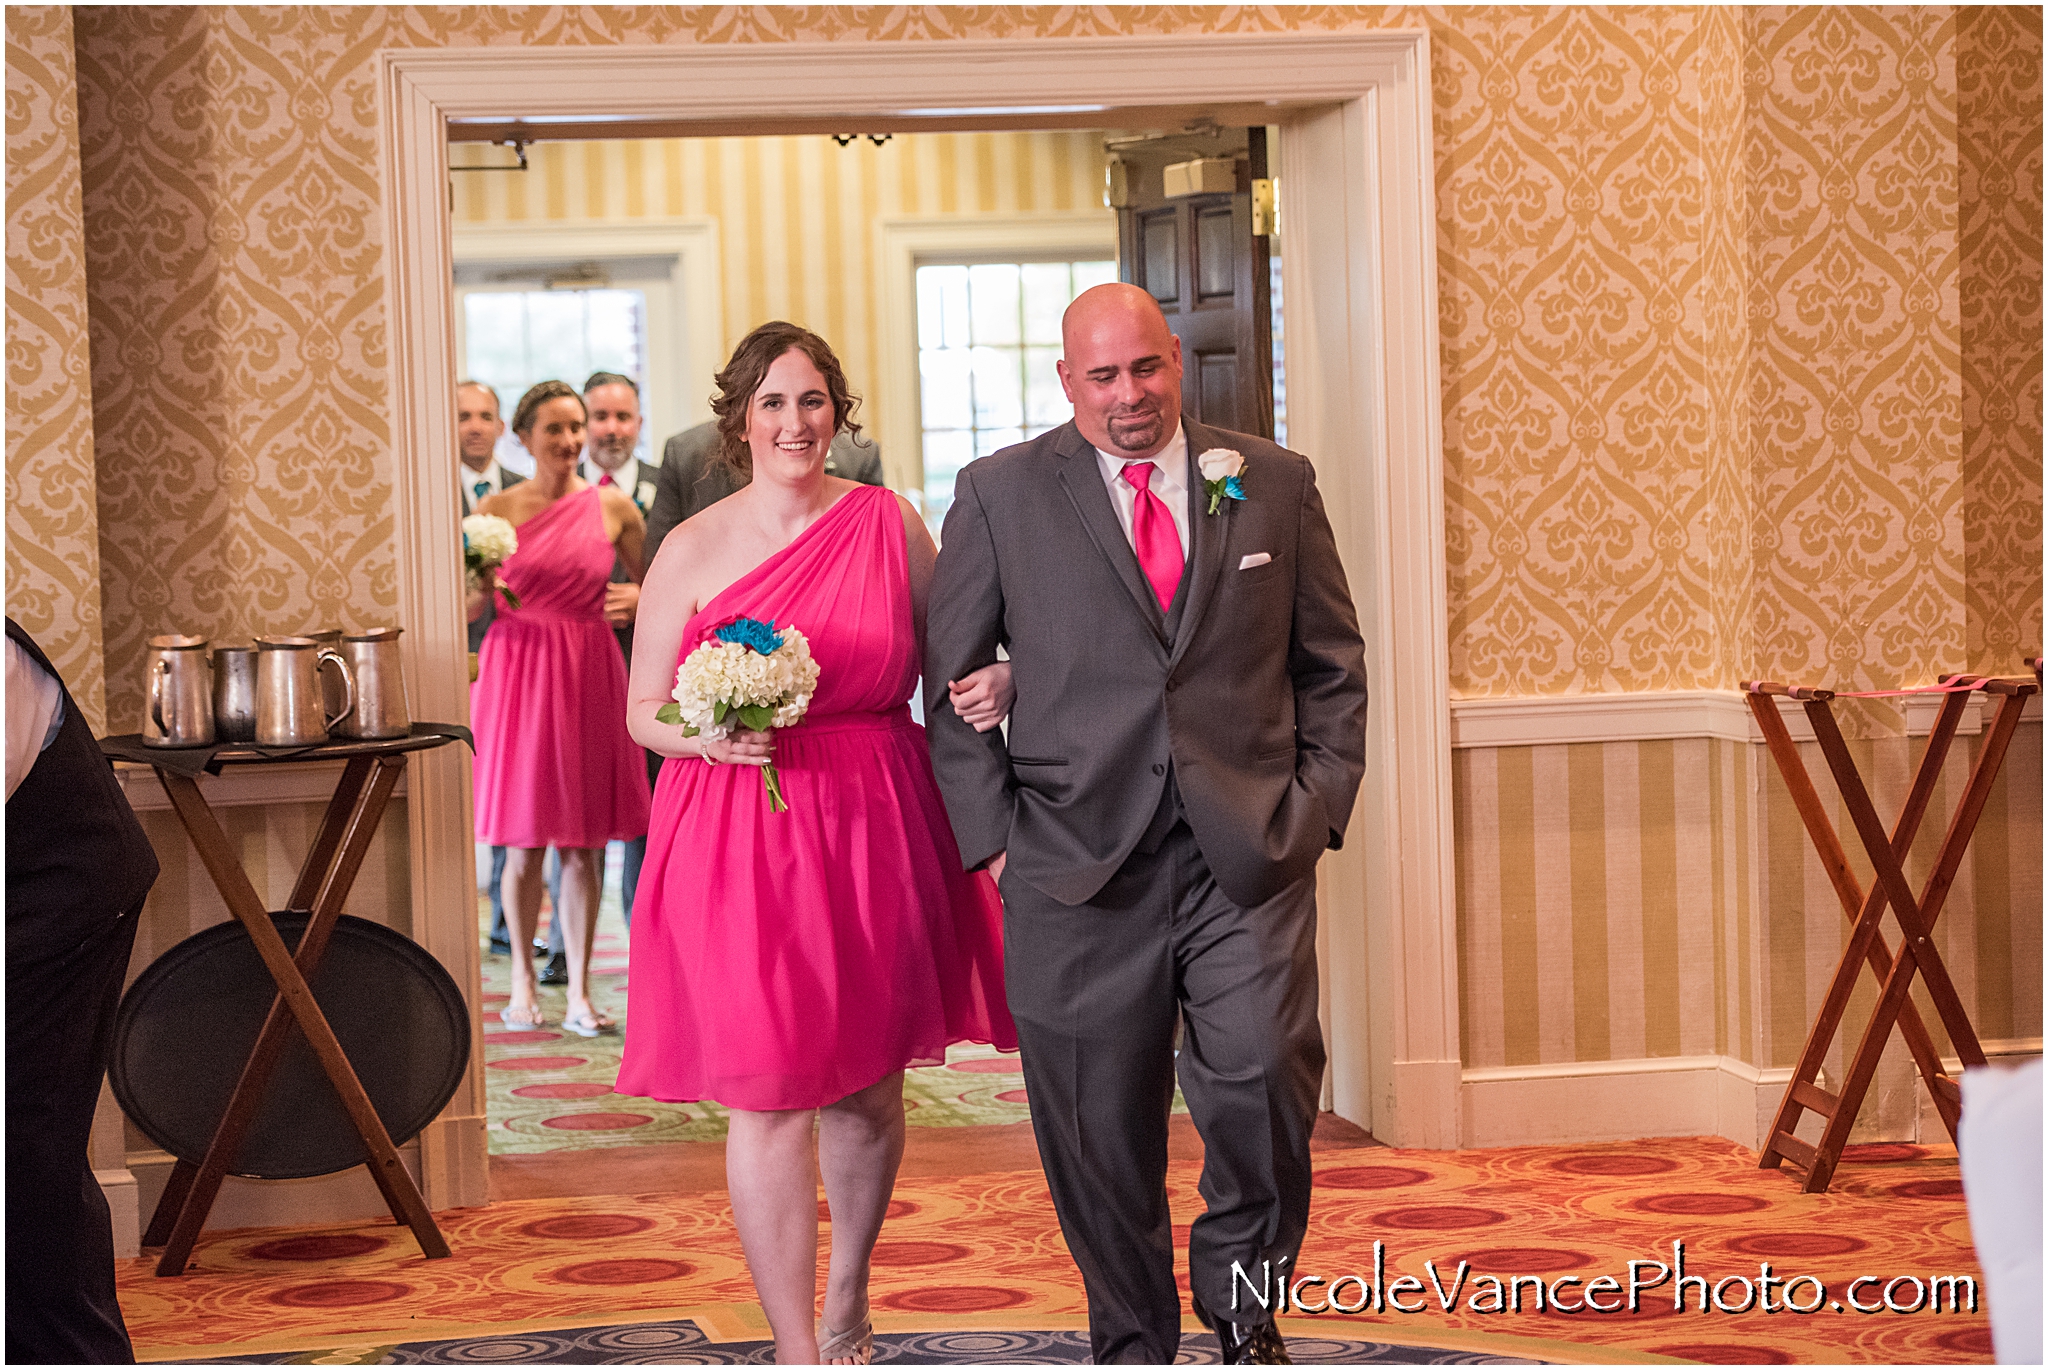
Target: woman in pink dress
[(554, 764), (790, 965)]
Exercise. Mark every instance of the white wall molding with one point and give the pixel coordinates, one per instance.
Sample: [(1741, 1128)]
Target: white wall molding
[(1548, 720), (1671, 1096), (1542, 720), (901, 246), (309, 782)]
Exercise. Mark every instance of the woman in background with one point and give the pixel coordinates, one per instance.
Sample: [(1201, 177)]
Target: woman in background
[(790, 965), (554, 765)]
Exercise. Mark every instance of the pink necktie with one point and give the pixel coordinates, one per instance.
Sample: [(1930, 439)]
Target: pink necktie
[(604, 480), (1152, 532)]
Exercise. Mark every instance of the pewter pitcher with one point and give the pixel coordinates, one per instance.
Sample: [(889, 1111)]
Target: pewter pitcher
[(291, 708), (180, 708), (329, 640), (234, 693), (380, 709)]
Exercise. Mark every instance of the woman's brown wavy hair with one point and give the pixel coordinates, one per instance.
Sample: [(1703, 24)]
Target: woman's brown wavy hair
[(746, 370)]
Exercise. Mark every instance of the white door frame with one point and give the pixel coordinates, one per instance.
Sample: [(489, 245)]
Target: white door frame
[(1359, 265)]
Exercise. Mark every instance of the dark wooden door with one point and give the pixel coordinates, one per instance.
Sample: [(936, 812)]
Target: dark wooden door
[(1198, 257)]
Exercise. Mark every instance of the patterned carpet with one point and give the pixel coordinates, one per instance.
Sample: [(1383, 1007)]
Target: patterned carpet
[(552, 1090), (684, 1343), (982, 1255)]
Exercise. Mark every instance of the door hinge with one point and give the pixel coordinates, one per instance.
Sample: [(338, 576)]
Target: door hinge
[(1266, 207)]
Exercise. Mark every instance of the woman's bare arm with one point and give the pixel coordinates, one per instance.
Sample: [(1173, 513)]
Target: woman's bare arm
[(668, 602)]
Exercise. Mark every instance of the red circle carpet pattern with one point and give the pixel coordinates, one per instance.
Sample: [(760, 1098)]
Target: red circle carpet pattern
[(982, 1253)]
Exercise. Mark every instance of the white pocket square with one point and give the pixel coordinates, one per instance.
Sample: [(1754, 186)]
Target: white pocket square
[(1254, 559)]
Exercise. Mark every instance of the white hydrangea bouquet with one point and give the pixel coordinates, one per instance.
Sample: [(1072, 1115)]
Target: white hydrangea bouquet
[(750, 674), (488, 542)]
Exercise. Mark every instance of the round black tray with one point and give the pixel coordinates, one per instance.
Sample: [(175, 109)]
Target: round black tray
[(188, 1023)]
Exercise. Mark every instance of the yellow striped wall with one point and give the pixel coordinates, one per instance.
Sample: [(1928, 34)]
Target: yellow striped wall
[(1629, 900), (797, 216)]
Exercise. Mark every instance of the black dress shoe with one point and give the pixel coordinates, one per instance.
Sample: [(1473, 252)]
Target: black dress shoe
[(556, 972), (541, 947), (1245, 1344)]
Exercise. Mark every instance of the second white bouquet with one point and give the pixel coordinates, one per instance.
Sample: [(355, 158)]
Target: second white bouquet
[(488, 542), (750, 675)]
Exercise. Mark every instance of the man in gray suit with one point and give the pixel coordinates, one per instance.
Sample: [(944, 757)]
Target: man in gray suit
[(1188, 738), (693, 478)]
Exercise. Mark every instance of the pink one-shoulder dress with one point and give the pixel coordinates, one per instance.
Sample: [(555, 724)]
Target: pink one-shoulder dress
[(555, 766), (787, 960)]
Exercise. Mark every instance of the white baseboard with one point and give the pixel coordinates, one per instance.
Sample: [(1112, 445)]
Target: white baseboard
[(124, 1206), (1651, 715), (2006, 1053), (347, 1196), (1679, 1096), (1612, 1101)]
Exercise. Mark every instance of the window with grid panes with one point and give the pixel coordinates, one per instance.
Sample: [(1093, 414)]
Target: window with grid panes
[(514, 337), (988, 334)]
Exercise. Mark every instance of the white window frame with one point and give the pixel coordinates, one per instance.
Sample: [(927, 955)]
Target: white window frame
[(903, 245), (685, 321)]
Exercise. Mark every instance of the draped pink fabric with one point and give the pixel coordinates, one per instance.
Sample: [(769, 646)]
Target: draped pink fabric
[(555, 766), (789, 960)]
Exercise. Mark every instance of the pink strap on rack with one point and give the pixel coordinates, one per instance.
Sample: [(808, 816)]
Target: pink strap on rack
[(1954, 685)]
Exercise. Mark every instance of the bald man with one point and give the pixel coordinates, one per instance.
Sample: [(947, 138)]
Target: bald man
[(1188, 738)]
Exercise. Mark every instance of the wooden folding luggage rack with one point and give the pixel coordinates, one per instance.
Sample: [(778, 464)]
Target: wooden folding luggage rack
[(1916, 915)]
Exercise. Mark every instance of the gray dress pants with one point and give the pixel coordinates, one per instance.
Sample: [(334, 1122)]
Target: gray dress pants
[(1096, 991)]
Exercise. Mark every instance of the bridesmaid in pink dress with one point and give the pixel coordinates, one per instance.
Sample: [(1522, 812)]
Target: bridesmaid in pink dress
[(554, 765), (790, 965)]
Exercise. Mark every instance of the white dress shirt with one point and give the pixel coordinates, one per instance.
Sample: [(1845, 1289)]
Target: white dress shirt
[(35, 711), (493, 475), (1169, 482)]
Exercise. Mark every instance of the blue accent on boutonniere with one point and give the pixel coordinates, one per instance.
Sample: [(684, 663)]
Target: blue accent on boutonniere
[(1229, 487), (752, 634)]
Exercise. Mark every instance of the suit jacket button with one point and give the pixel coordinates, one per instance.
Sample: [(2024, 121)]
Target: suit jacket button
[(1159, 768), (1172, 685)]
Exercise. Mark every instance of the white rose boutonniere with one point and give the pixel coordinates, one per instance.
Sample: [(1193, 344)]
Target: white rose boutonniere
[(1222, 475)]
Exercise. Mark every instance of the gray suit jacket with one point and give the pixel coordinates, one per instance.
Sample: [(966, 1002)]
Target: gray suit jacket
[(693, 478), (1257, 704), (477, 629)]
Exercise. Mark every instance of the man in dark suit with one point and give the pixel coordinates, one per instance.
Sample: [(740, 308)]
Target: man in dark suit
[(478, 426), (78, 868), (1188, 738), (693, 478)]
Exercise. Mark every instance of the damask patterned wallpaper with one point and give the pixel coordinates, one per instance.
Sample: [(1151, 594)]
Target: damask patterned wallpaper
[(1857, 395), (53, 566), (1998, 84), (1702, 325)]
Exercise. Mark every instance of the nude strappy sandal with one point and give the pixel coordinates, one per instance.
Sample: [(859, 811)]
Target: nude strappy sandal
[(858, 1342)]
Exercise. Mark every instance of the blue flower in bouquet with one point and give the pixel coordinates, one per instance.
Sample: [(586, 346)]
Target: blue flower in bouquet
[(752, 634)]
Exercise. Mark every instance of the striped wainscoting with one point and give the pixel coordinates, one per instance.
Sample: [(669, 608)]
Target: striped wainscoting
[(1645, 932)]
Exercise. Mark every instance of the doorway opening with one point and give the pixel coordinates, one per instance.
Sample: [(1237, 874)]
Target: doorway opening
[(939, 265), (1360, 270)]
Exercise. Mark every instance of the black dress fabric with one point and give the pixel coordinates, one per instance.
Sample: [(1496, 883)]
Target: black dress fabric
[(78, 868)]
